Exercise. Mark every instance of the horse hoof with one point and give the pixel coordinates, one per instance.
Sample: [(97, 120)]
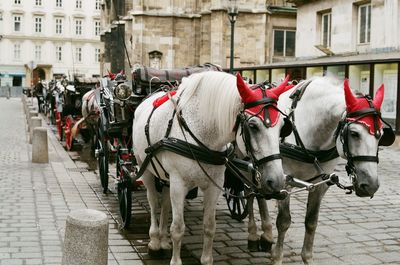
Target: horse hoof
[(265, 245), (253, 245), (156, 253)]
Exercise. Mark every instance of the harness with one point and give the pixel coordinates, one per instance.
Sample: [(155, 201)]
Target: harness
[(201, 153), (300, 153)]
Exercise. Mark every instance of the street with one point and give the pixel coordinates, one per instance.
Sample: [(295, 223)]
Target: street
[(35, 200)]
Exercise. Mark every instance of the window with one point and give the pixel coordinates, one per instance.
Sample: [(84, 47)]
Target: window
[(58, 53), (38, 24), (59, 25), (58, 3), (284, 42), (17, 23), (17, 2), (17, 51), (78, 4), (78, 54), (78, 27), (98, 4), (326, 29), (364, 23), (38, 52), (97, 28), (38, 2), (97, 55)]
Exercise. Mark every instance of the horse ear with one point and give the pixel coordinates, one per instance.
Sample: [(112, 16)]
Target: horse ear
[(282, 87), (378, 99), (245, 92), (348, 94)]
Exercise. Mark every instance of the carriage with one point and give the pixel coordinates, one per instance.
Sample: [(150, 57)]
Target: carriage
[(68, 101), (119, 98)]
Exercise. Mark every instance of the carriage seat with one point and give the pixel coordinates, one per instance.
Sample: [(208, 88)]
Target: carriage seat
[(148, 74), (151, 78)]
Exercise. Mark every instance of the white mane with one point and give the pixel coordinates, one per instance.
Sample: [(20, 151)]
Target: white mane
[(219, 100)]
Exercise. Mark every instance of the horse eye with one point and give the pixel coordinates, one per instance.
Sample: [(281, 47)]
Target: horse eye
[(253, 126), (354, 134)]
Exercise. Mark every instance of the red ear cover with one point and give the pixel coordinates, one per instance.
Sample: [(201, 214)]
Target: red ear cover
[(379, 95), (245, 92)]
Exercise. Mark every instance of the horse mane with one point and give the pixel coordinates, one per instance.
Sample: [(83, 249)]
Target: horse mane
[(219, 101)]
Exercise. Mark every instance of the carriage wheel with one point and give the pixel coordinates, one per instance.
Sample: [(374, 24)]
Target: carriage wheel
[(237, 205), (59, 125), (102, 158), (69, 123), (124, 194)]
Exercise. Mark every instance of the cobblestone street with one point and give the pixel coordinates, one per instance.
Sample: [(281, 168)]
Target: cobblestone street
[(35, 200)]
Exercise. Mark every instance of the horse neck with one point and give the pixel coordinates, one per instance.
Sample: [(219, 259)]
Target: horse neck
[(317, 116), (211, 108)]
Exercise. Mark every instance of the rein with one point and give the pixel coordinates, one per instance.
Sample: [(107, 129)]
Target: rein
[(201, 153)]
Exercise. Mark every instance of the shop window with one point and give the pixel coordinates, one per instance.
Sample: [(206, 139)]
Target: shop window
[(387, 74), (314, 71), (359, 78), (262, 75), (248, 76)]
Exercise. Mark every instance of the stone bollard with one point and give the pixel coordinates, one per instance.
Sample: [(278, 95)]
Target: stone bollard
[(30, 116), (86, 238), (35, 122), (40, 149)]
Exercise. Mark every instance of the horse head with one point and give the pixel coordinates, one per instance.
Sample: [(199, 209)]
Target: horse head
[(359, 135), (261, 125)]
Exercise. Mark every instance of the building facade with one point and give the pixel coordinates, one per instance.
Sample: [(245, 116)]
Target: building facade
[(358, 40), (181, 33), (43, 39)]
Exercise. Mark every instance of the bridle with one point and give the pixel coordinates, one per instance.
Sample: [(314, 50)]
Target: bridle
[(243, 121), (343, 133)]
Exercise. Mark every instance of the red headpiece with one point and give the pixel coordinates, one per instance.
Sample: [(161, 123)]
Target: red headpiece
[(355, 104), (250, 95)]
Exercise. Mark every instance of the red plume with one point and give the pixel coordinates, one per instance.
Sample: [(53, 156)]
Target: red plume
[(378, 99), (351, 100), (245, 92), (277, 91)]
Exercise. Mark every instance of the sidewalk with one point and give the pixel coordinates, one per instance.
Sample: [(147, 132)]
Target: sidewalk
[(35, 199)]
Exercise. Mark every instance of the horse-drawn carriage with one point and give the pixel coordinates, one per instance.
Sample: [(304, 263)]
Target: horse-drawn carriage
[(68, 100), (119, 98), (255, 119)]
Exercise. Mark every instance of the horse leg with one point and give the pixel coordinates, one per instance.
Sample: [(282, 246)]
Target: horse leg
[(253, 239), (311, 222), (266, 239), (283, 221), (178, 192), (211, 195), (164, 216), (152, 197)]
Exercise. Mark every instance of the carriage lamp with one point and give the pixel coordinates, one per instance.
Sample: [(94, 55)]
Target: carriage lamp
[(123, 91), (232, 13)]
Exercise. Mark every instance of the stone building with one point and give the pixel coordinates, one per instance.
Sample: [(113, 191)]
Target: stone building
[(354, 39), (180, 33), (40, 39)]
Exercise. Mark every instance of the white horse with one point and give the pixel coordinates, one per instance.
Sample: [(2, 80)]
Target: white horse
[(327, 119), (90, 114), (206, 111)]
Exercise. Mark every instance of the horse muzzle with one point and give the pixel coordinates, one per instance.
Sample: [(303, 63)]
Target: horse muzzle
[(365, 188)]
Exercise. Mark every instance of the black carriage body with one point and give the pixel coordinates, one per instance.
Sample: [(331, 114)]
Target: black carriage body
[(73, 94)]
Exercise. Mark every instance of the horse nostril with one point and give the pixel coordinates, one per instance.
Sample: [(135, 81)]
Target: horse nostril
[(364, 187), (270, 183)]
